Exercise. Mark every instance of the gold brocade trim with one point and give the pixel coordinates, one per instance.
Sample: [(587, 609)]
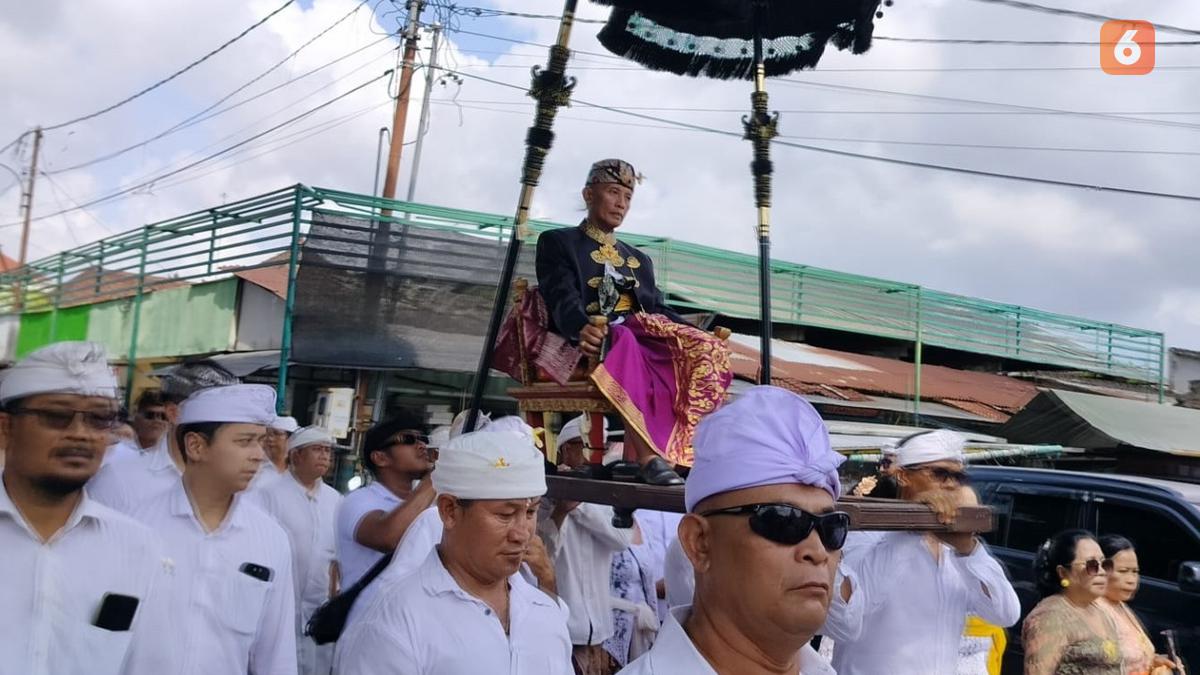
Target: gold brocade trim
[(624, 303), (594, 282), (633, 263), (592, 308), (599, 236), (607, 253), (616, 395), (702, 371)]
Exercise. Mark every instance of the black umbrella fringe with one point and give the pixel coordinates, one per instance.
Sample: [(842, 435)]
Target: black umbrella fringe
[(854, 36)]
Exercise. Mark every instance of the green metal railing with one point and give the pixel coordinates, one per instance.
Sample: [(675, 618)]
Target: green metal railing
[(267, 230)]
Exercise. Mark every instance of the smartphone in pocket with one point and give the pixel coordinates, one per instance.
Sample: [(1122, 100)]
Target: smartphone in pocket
[(116, 612)]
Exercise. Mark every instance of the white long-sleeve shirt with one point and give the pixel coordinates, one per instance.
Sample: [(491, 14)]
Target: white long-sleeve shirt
[(915, 606), (126, 484), (223, 619), (52, 590), (426, 624), (659, 529), (582, 551), (308, 518)]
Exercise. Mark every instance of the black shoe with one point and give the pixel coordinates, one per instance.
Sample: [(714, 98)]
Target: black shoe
[(658, 472)]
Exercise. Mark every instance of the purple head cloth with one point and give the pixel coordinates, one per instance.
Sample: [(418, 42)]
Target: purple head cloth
[(768, 436)]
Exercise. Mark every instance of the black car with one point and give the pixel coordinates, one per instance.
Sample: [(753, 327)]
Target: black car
[(1161, 517)]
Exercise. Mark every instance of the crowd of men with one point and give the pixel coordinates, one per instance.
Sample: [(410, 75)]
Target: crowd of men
[(208, 548)]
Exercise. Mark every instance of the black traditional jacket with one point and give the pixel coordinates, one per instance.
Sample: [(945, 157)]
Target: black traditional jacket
[(570, 267)]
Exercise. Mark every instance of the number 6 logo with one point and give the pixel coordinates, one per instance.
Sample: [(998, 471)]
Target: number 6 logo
[(1127, 47)]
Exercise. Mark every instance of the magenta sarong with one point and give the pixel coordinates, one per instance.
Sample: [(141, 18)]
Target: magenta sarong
[(662, 377)]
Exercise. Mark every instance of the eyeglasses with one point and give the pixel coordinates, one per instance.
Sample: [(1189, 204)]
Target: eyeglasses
[(941, 474), (409, 439), (790, 525), (153, 415), (1093, 566), (61, 420)]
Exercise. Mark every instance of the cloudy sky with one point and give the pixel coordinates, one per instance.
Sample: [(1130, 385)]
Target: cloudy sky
[(1110, 257)]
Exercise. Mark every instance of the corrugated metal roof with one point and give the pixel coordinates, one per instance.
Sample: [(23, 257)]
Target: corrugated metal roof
[(1090, 421), (273, 279), (810, 370)]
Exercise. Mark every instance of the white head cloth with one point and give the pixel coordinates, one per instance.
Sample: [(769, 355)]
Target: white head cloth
[(234, 404), (489, 464), (458, 426), (933, 446), (308, 436), (439, 437), (61, 368), (573, 430), (285, 424)]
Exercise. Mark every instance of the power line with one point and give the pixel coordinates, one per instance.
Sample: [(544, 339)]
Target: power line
[(1011, 106), (172, 76), (201, 117), (470, 104), (865, 111), (219, 153), (1059, 11), (57, 187), (193, 119), (864, 156), (482, 12)]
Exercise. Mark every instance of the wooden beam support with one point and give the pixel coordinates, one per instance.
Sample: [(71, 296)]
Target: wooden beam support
[(865, 513)]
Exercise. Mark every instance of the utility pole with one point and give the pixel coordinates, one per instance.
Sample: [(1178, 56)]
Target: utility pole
[(430, 75), (27, 205), (27, 208), (401, 114)]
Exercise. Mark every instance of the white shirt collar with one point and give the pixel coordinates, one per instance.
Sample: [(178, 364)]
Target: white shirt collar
[(181, 506), (311, 494), (160, 457), (436, 580), (674, 652), (86, 508)]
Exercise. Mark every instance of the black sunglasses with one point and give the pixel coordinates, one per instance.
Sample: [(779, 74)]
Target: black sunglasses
[(409, 439), (61, 420), (1093, 566), (941, 474), (790, 525)]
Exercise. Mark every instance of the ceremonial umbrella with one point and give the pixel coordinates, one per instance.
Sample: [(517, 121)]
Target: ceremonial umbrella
[(741, 39), (725, 39)]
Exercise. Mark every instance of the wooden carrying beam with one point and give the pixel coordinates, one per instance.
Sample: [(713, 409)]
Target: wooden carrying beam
[(865, 513)]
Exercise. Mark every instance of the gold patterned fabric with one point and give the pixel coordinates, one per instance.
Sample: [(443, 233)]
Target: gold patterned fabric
[(663, 377), (1062, 639)]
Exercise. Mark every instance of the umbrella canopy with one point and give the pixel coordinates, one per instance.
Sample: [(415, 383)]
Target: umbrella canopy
[(715, 38)]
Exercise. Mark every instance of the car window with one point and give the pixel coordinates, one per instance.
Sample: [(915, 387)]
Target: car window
[(1024, 521), (1162, 542)]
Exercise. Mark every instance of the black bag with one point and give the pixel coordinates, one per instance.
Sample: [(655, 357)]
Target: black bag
[(327, 623)]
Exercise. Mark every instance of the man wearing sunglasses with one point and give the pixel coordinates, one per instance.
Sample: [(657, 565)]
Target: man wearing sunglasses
[(84, 589), (763, 537), (918, 588), (372, 520), (124, 486), (150, 419)]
